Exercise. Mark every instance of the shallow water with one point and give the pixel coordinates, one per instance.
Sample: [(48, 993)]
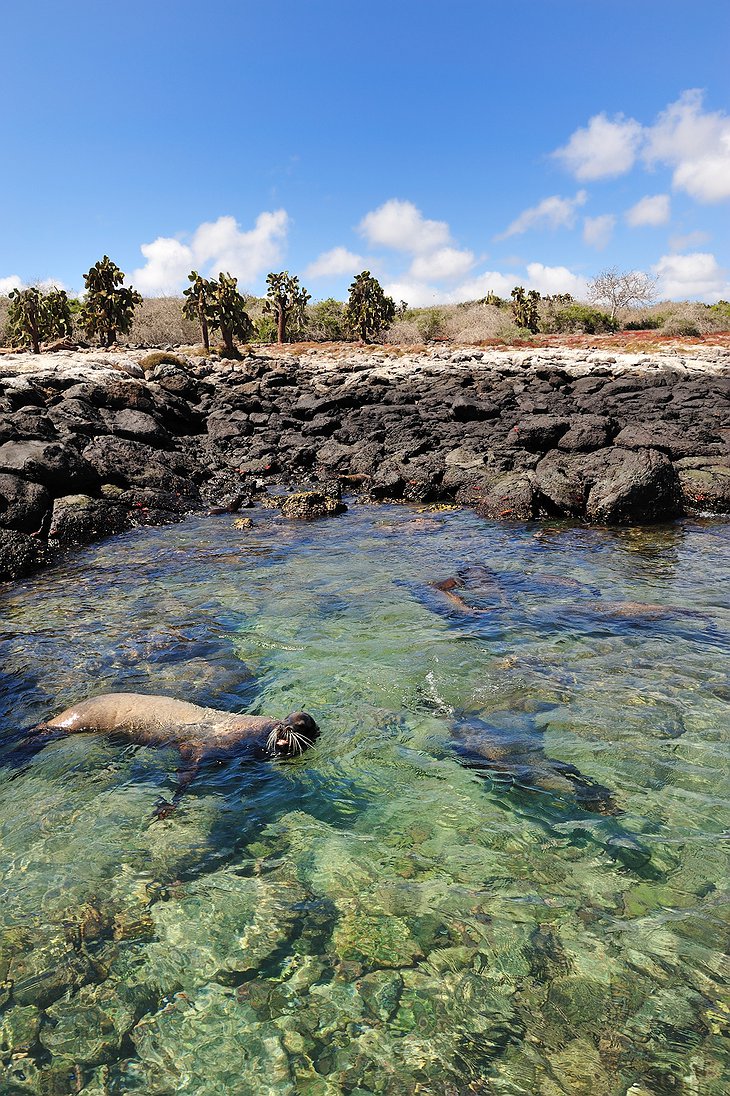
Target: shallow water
[(375, 917)]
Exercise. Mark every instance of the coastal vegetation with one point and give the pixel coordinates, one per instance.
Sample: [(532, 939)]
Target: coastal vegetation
[(216, 309)]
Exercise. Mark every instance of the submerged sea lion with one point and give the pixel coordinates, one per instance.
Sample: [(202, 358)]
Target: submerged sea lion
[(197, 733), (510, 745)]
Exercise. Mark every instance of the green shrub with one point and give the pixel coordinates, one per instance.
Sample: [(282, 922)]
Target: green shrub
[(720, 311), (325, 321), (583, 319), (264, 329), (431, 325), (647, 323)]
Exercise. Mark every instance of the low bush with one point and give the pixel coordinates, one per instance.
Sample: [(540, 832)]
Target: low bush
[(682, 327), (325, 321), (583, 319)]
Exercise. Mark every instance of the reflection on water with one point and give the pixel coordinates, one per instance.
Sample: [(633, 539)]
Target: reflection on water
[(378, 916)]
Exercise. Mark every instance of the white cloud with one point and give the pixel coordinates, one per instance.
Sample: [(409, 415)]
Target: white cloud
[(604, 149), (416, 294), (697, 276), (7, 285), (597, 231), (552, 212), (445, 264), (336, 262), (546, 279), (652, 210), (490, 281), (555, 279), (402, 226), (696, 143), (14, 282), (691, 239), (215, 246)]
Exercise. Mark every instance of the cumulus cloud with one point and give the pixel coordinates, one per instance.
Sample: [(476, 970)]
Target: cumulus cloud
[(337, 261), (685, 137), (597, 231), (652, 210), (444, 264), (555, 279), (696, 143), (214, 246), (14, 282), (605, 148), (7, 285), (552, 212), (697, 276), (546, 279), (402, 226)]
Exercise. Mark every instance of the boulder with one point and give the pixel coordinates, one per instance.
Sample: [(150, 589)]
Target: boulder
[(538, 433), (610, 486), (704, 485), (137, 425), (23, 504), (55, 465), (79, 519), (128, 463), (632, 485), (19, 554), (310, 505), (587, 433), (510, 497)]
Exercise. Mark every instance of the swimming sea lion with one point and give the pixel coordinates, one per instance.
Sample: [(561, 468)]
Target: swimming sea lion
[(197, 733), (510, 744)]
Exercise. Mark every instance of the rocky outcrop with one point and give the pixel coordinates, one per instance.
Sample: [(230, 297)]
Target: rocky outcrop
[(91, 445)]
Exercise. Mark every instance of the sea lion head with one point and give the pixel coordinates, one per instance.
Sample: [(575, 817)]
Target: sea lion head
[(293, 735)]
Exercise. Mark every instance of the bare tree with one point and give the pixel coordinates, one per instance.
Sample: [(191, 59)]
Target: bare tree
[(622, 288)]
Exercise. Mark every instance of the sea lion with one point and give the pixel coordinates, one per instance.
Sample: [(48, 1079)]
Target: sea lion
[(510, 745), (197, 733)]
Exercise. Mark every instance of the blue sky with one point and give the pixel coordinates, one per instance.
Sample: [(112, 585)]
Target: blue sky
[(450, 148)]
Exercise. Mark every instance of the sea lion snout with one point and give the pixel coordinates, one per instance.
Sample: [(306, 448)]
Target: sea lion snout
[(294, 735)]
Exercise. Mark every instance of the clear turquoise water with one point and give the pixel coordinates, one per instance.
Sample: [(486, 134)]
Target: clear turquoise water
[(375, 917)]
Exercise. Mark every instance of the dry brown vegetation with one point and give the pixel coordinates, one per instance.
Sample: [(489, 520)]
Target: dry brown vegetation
[(159, 323)]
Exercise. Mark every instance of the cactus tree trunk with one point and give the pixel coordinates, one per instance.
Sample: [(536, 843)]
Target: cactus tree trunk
[(281, 323), (204, 328)]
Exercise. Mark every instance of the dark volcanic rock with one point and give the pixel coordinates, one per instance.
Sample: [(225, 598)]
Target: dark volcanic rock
[(610, 486), (19, 554), (587, 433), (129, 463), (509, 498), (55, 465), (79, 519), (23, 504), (704, 485), (538, 433)]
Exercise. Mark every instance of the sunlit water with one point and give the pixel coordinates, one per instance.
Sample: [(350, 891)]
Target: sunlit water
[(375, 917)]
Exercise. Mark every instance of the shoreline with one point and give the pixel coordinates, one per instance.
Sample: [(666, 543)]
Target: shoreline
[(92, 445)]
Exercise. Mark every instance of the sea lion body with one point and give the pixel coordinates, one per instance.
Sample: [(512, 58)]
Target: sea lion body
[(199, 734), (162, 721)]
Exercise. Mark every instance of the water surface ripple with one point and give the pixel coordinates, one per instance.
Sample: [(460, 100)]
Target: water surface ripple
[(436, 899)]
